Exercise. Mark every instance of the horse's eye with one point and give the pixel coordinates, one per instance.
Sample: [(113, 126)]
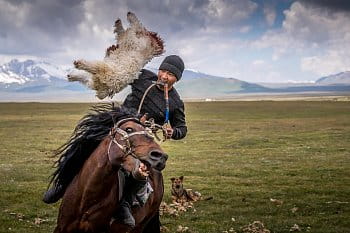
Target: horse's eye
[(129, 130)]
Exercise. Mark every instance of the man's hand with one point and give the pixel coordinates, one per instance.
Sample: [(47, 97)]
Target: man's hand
[(169, 132), (143, 170)]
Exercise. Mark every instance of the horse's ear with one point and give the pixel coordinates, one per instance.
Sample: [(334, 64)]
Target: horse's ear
[(181, 178), (144, 118), (172, 179)]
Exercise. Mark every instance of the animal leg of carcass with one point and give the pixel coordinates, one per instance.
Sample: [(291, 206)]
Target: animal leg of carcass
[(82, 77), (118, 29), (96, 67), (133, 20)]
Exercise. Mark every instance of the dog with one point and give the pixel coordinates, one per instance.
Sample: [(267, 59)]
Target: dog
[(135, 47), (181, 195)]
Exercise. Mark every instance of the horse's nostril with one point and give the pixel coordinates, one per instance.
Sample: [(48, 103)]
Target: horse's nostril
[(158, 159), (158, 154)]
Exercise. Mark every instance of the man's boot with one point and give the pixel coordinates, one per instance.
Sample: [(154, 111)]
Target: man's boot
[(135, 193), (124, 215), (142, 192), (53, 194)]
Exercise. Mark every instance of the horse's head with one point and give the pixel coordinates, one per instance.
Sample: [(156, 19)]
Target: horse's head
[(130, 142)]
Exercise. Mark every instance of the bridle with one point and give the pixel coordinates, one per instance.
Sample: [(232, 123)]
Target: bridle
[(125, 136)]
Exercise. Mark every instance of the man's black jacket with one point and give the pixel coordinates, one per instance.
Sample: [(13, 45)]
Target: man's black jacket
[(154, 103)]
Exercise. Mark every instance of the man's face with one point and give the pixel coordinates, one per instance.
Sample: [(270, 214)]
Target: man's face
[(166, 77)]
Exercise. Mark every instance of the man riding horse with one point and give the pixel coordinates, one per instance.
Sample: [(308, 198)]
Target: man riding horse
[(147, 97)]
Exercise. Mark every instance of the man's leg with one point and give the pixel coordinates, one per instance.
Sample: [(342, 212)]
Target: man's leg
[(123, 213), (136, 193)]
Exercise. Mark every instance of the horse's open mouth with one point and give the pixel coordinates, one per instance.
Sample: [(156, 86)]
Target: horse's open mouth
[(147, 165)]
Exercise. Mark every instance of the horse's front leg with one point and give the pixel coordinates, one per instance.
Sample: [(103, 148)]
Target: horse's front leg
[(70, 228), (117, 227), (95, 67), (80, 76), (56, 230)]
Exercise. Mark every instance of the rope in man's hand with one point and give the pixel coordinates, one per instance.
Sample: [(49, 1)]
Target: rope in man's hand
[(167, 131), (166, 128)]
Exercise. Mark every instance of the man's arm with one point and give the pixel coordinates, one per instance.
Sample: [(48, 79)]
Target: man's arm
[(131, 102), (178, 123)]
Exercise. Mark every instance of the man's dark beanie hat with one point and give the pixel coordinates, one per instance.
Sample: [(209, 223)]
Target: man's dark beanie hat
[(173, 64)]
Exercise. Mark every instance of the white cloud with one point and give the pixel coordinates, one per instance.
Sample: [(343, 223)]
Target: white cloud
[(227, 10), (330, 63), (207, 54), (245, 29), (315, 24), (260, 71), (258, 62), (272, 76), (304, 26), (21, 11), (320, 36), (270, 14)]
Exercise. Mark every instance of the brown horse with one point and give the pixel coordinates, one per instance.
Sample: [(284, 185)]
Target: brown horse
[(94, 194)]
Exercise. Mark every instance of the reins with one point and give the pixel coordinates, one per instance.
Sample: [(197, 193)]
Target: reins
[(144, 96), (167, 110), (166, 97)]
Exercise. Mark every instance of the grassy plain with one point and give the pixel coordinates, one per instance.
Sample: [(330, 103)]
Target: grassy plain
[(240, 153)]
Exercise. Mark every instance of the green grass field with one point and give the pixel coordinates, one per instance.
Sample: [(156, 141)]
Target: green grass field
[(240, 153)]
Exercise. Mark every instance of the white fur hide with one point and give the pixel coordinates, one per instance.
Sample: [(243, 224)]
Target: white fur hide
[(135, 47)]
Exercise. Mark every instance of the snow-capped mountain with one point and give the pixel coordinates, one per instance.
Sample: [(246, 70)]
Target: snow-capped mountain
[(33, 76), (38, 81), (16, 72)]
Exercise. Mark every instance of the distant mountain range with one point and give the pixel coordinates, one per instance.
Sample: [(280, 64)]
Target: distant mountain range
[(38, 81), (31, 77), (41, 81), (200, 85), (342, 78)]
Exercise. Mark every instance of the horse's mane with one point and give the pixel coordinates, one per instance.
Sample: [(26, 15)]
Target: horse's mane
[(87, 135)]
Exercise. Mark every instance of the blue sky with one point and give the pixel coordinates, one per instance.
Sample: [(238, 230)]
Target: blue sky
[(257, 41)]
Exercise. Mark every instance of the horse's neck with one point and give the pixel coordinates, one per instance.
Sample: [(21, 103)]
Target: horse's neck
[(156, 178), (98, 169), (102, 153), (98, 176)]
